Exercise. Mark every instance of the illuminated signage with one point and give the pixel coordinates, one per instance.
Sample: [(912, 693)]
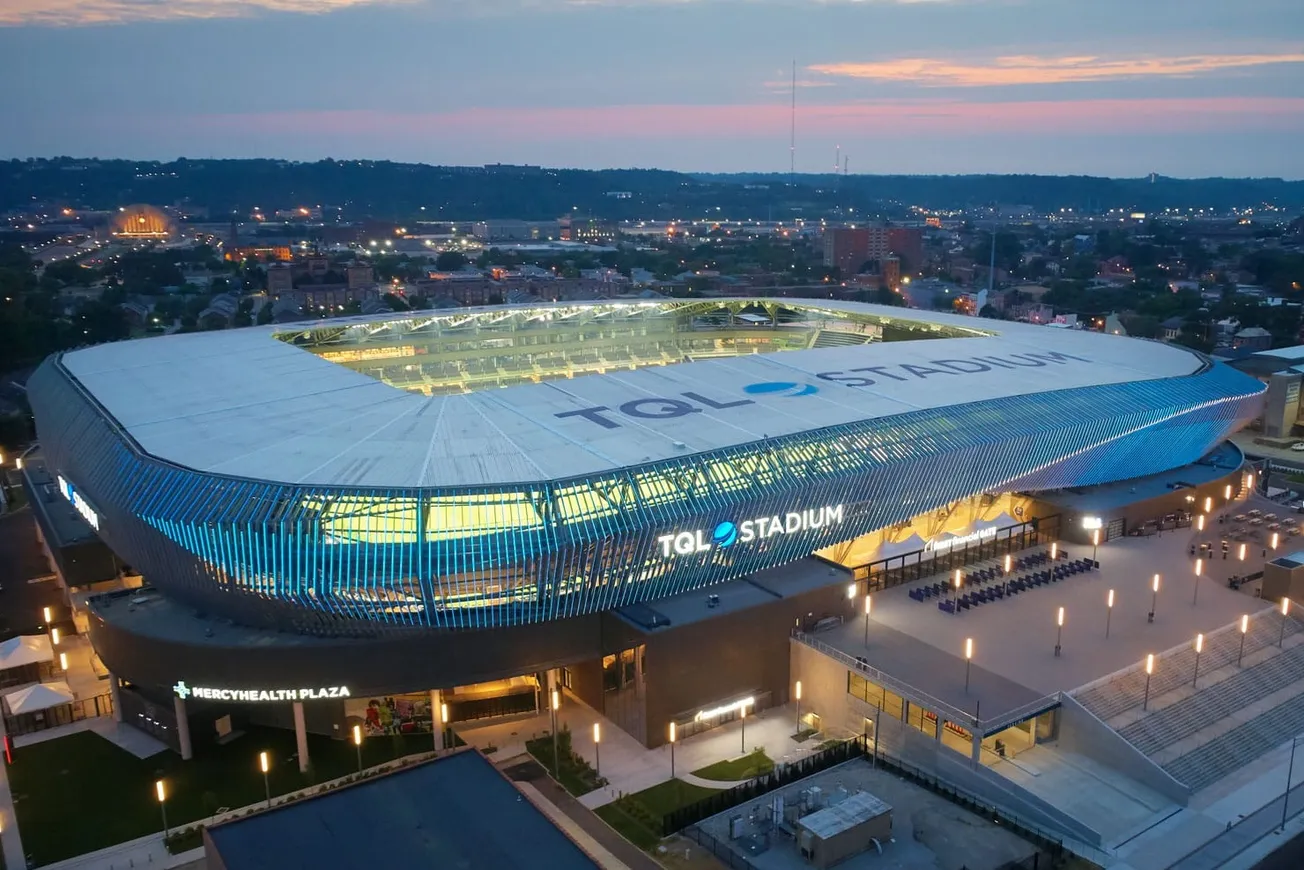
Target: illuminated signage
[(1093, 523), (939, 545), (728, 533), (735, 707), (256, 695), (79, 504)]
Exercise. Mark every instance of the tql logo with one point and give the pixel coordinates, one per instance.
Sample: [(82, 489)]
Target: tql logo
[(662, 408), (728, 533)]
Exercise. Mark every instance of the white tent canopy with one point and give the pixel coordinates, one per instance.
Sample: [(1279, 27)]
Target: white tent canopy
[(28, 649), (999, 521), (909, 545), (38, 696)]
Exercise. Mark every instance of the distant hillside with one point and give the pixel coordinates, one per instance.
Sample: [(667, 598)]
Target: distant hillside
[(406, 191)]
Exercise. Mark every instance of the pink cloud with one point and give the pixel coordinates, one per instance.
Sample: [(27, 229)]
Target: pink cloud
[(1026, 70)]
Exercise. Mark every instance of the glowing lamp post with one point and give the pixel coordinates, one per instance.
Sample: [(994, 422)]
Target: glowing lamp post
[(869, 606), (162, 804), (1199, 523), (1199, 648), (851, 592), (797, 695), (1199, 569), (1227, 492), (357, 744), (1208, 504), (1241, 553), (1150, 669), (672, 750), (959, 579), (1054, 551), (63, 661), (1274, 540), (968, 660), (443, 721), (1245, 627), (1285, 610), (597, 748), (1059, 630), (45, 611), (1154, 599), (556, 705), (1109, 611), (742, 721), (54, 636), (1009, 562), (264, 764), (1095, 543)]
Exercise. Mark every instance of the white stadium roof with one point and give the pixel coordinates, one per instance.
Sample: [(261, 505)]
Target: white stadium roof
[(243, 403)]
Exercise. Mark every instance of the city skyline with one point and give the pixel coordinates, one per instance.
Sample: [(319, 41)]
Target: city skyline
[(1066, 87)]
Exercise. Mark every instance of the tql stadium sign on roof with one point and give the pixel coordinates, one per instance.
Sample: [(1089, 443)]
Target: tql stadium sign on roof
[(728, 533)]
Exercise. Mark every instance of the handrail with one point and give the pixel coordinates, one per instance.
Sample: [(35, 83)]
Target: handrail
[(1018, 714)]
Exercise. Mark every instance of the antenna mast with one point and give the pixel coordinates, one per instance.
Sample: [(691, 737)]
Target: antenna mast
[(792, 140)]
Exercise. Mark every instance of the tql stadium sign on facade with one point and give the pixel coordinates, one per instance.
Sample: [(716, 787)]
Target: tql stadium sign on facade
[(728, 533)]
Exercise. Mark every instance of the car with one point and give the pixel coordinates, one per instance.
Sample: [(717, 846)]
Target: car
[(1298, 447)]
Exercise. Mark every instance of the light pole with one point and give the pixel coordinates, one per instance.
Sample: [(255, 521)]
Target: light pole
[(1095, 543), (1059, 630), (54, 636), (444, 726), (1009, 563), (1245, 626), (742, 720), (1208, 504), (1242, 552), (959, 578), (1285, 609), (63, 662), (672, 750), (869, 606), (1290, 774), (597, 748), (1109, 611), (1199, 523), (357, 744), (162, 805), (1154, 599), (1227, 493), (968, 660), (1150, 669), (1199, 648), (1054, 551), (264, 766), (556, 705), (1199, 569), (799, 705)]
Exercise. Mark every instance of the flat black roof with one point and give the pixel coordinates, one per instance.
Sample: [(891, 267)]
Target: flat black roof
[(456, 811)]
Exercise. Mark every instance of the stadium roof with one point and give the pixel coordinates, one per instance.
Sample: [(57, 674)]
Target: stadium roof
[(244, 404)]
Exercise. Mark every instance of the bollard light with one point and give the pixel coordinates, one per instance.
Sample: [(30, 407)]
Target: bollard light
[(556, 699)]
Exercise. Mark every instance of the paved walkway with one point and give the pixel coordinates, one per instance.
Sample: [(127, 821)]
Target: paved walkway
[(10, 838), (628, 766)]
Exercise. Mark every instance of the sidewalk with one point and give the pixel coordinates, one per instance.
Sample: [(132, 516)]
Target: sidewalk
[(628, 766)]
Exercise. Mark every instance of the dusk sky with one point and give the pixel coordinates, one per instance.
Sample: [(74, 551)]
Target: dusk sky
[(1101, 87)]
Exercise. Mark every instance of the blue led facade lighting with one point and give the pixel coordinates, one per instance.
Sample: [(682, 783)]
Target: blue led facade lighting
[(337, 558)]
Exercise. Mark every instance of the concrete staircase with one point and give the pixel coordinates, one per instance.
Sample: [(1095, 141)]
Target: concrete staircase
[(1200, 731)]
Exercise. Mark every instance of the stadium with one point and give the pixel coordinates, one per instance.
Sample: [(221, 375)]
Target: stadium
[(488, 502)]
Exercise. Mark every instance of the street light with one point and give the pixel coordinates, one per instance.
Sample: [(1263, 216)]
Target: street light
[(443, 722), (968, 660), (1109, 611), (1054, 550), (45, 611), (1274, 540), (1150, 669), (1199, 569), (1199, 523), (1154, 599), (1059, 630), (264, 766), (1285, 610), (672, 750), (63, 661), (162, 805), (357, 743), (1208, 504), (597, 748), (1009, 561), (869, 606), (1095, 542), (742, 720), (1245, 626), (1227, 492), (54, 636), (1242, 552), (556, 760), (1199, 648), (959, 578), (799, 705)]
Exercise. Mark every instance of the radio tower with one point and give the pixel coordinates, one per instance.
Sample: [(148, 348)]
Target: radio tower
[(792, 137)]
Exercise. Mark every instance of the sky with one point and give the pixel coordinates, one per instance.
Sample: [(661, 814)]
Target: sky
[(1186, 88)]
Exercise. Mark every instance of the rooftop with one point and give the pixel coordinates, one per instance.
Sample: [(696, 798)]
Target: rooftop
[(456, 811), (242, 403)]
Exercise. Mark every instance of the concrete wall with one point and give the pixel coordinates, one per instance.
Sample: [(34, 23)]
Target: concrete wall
[(1083, 733)]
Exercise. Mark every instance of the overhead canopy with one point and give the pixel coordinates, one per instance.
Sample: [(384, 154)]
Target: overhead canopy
[(999, 521), (909, 545), (38, 696), (28, 649)]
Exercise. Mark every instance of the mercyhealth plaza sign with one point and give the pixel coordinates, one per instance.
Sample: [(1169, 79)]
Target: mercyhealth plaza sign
[(259, 695), (728, 533)]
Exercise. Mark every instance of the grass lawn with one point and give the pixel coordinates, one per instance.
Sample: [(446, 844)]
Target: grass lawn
[(81, 793), (637, 816), (754, 763)]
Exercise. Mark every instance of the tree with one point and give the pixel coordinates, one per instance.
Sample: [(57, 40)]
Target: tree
[(450, 261)]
